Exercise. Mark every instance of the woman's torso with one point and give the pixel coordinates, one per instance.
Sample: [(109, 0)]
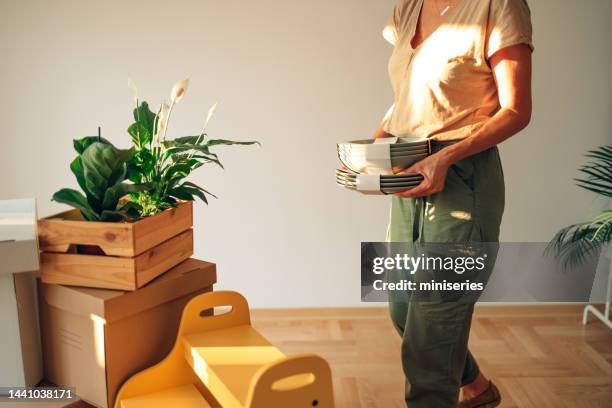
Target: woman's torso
[(444, 87)]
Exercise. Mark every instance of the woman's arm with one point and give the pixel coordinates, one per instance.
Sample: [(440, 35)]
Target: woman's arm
[(512, 71)]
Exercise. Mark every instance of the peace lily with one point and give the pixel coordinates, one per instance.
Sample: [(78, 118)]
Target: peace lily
[(177, 93), (161, 164), (162, 114), (211, 113)]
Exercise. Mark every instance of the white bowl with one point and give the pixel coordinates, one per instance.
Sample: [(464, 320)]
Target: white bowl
[(364, 156)]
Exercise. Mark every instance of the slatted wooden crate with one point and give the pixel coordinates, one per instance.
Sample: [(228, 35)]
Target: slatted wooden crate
[(109, 255)]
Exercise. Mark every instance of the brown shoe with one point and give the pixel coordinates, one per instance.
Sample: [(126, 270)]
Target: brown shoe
[(488, 399)]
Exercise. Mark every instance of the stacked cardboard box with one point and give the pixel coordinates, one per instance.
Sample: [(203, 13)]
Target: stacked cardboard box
[(95, 339), (20, 354), (111, 297)]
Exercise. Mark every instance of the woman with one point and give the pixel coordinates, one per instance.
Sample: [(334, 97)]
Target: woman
[(461, 74)]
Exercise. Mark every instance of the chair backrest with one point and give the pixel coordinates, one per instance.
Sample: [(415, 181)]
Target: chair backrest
[(300, 380), (198, 314)]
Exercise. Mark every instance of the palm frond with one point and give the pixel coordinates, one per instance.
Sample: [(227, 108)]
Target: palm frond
[(576, 243)]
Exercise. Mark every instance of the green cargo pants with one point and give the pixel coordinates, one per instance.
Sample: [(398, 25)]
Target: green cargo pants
[(435, 355)]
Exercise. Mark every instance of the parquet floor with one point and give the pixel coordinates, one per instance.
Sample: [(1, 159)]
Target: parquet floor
[(539, 356)]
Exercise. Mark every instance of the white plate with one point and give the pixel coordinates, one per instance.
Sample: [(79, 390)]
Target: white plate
[(382, 186), (393, 153), (393, 148), (385, 180), (361, 165), (402, 141), (417, 177), (387, 191), (382, 176)]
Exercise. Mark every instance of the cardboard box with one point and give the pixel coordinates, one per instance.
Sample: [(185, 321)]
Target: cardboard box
[(18, 237), (95, 339), (20, 354)]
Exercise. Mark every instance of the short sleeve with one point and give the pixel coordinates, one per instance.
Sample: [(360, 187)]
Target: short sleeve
[(390, 32), (509, 24)]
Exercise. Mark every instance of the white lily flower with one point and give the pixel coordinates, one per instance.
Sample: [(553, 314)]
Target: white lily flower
[(162, 117), (211, 113), (178, 91)]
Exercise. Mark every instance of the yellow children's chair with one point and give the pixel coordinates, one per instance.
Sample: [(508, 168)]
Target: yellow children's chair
[(221, 361)]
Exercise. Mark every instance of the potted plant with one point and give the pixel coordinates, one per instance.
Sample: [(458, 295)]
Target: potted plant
[(132, 218), (575, 243)]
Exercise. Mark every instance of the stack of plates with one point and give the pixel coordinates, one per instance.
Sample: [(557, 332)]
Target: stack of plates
[(390, 184), (363, 156)]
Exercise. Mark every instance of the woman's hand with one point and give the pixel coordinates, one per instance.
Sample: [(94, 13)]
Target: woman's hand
[(434, 169)]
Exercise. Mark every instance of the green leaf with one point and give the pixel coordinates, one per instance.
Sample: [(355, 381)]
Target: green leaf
[(574, 244), (187, 140), (142, 130), (177, 171), (181, 193), (216, 142), (76, 199), (77, 169), (81, 144), (190, 184), (103, 166), (119, 190), (141, 136)]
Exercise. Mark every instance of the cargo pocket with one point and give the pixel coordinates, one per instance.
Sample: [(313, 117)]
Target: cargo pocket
[(463, 171)]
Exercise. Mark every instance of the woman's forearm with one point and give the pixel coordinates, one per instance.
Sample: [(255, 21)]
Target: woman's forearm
[(504, 124)]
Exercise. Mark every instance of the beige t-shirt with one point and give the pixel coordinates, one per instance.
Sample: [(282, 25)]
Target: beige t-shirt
[(444, 88)]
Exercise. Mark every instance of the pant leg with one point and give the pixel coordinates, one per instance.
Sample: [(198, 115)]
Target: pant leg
[(435, 357)]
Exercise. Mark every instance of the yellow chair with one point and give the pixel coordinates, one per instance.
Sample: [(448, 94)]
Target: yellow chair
[(220, 360)]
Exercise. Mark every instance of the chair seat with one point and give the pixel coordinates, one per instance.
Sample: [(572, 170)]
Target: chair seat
[(226, 361), (186, 396)]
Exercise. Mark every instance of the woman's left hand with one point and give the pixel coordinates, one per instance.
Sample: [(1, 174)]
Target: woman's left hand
[(434, 169)]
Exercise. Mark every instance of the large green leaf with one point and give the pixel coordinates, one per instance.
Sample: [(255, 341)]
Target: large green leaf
[(77, 169), (81, 144), (141, 136), (143, 129), (103, 166), (76, 199)]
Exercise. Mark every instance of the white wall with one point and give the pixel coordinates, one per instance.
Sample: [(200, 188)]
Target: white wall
[(297, 76)]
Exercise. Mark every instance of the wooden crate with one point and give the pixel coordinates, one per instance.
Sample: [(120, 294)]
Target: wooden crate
[(111, 272), (108, 255), (64, 231)]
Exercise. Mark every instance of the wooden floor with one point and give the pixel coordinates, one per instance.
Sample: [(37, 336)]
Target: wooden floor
[(538, 356)]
